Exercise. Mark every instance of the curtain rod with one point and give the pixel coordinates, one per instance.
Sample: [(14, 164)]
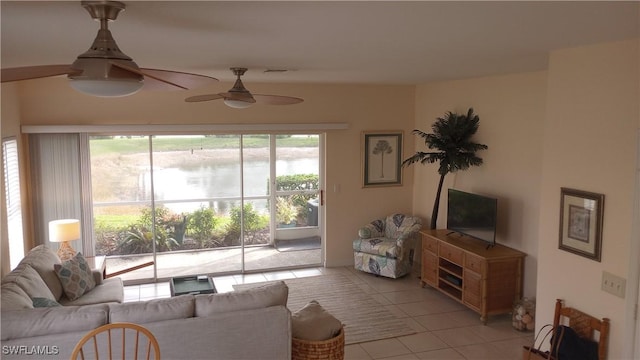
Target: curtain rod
[(177, 129)]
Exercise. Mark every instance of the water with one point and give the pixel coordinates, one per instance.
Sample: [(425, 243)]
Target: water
[(218, 180)]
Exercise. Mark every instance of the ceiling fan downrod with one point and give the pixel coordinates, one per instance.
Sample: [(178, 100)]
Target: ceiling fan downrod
[(104, 46)]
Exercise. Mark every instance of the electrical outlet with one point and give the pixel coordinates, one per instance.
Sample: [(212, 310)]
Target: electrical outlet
[(613, 284)]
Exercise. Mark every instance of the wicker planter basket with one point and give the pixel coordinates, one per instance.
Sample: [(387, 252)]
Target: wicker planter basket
[(332, 349)]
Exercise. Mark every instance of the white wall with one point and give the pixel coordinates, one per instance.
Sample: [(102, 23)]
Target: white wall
[(511, 110), (590, 144)]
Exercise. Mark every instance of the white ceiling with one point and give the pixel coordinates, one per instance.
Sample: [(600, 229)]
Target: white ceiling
[(321, 41)]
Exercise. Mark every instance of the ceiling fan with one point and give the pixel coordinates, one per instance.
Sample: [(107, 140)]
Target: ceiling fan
[(239, 97), (104, 70)]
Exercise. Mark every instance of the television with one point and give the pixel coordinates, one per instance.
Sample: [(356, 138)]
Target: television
[(472, 215)]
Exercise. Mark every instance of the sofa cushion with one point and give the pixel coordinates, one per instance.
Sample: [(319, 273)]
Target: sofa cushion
[(53, 320), (76, 276), (261, 296), (42, 259), (12, 297), (179, 307), (314, 323), (39, 302), (28, 279), (110, 291)]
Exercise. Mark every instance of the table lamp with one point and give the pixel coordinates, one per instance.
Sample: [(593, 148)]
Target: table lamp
[(63, 231)]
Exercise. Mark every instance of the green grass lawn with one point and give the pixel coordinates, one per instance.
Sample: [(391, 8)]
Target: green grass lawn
[(131, 145)]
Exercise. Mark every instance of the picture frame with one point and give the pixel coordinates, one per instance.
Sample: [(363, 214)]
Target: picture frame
[(381, 158), (581, 219)]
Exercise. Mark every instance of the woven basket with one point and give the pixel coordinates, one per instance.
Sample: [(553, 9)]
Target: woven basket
[(332, 349)]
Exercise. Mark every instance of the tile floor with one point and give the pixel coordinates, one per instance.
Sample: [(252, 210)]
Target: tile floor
[(444, 328)]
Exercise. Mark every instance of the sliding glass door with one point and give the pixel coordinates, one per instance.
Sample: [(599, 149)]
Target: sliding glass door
[(205, 204)]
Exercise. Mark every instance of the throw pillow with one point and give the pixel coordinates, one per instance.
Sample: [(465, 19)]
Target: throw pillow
[(75, 276), (43, 302), (314, 323)]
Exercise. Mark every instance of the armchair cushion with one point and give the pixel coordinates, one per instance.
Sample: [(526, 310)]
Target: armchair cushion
[(377, 246)]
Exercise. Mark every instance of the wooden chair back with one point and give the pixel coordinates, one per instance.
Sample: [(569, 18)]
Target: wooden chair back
[(584, 325), (117, 341)]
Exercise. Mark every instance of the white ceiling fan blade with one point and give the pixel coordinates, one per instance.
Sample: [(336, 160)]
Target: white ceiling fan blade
[(277, 99), (35, 72), (207, 97)]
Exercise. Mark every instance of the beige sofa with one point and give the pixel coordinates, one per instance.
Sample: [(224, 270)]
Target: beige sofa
[(247, 324)]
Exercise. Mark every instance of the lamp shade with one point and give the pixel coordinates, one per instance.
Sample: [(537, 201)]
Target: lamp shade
[(64, 230)]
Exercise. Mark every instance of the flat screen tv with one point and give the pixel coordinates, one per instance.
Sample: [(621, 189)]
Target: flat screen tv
[(472, 215)]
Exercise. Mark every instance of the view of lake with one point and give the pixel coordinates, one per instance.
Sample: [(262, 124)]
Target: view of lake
[(217, 180)]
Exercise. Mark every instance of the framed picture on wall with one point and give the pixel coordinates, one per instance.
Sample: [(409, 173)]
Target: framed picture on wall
[(381, 158), (581, 215)]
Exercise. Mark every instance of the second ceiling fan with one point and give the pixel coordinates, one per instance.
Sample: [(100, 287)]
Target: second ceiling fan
[(239, 97)]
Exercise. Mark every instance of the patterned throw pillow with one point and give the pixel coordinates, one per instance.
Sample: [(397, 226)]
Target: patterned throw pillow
[(75, 276)]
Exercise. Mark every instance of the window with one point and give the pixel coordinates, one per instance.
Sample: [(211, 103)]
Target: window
[(12, 199)]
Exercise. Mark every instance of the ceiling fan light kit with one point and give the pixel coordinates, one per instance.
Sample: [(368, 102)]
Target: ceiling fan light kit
[(237, 104)]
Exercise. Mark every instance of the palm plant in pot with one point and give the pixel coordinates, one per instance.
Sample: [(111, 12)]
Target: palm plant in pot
[(451, 147)]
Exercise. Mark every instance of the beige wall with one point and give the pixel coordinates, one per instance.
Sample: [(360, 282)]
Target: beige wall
[(511, 110), (590, 143), (348, 205)]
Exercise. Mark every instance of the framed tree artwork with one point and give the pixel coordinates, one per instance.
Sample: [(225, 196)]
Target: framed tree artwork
[(381, 158), (581, 215)]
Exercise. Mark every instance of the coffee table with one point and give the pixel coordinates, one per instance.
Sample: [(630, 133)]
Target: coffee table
[(192, 285)]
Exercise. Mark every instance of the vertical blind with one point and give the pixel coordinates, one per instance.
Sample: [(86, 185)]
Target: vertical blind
[(56, 184), (13, 202)]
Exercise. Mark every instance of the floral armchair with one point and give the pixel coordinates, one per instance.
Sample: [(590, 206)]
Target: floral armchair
[(386, 246)]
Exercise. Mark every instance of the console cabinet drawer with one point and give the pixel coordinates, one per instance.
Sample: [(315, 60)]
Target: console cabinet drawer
[(429, 244), (474, 263), (453, 254)]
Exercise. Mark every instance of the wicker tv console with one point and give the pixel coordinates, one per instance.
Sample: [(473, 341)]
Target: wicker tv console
[(486, 280)]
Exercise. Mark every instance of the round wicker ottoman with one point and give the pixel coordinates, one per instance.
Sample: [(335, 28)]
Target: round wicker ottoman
[(332, 349)]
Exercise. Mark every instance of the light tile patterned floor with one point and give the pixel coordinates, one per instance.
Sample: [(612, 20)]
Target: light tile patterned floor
[(444, 328)]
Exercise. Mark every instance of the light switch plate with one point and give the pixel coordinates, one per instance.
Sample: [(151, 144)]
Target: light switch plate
[(613, 284)]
